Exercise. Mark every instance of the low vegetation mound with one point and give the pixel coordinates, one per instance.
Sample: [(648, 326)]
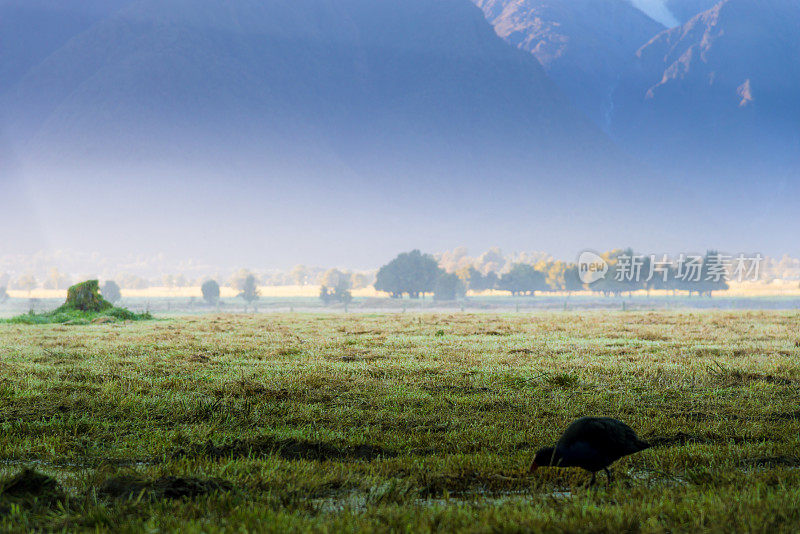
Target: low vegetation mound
[(84, 305), (86, 297)]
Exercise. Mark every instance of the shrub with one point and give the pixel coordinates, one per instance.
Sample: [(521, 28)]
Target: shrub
[(86, 297), (210, 291), (111, 291)]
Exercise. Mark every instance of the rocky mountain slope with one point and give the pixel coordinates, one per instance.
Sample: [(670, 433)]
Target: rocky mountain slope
[(352, 82), (720, 90), (685, 10), (584, 45)]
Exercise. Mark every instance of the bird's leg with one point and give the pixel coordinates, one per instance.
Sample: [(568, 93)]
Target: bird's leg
[(608, 478)]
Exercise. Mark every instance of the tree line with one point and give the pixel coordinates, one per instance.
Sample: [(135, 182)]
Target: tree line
[(414, 274)]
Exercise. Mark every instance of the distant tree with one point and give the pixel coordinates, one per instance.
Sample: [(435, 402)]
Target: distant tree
[(572, 279), (239, 279), (56, 280), (464, 274), (210, 289), (714, 274), (342, 294), (340, 291), (523, 279), (684, 283), (325, 295), (300, 275), (689, 275), (658, 274), (555, 273), (491, 280), (111, 292), (473, 279), (701, 275), (454, 261), (672, 280), (3, 294), (131, 281), (361, 280), (411, 273), (277, 279), (448, 287), (168, 281), (621, 276), (27, 282), (249, 290), (334, 277), (492, 260)]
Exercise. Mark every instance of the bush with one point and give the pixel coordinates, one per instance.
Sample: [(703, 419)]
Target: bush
[(411, 273), (249, 289), (86, 297), (210, 291), (448, 287), (111, 291)]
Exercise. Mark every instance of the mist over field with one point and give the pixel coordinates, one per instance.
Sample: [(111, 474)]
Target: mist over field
[(340, 133)]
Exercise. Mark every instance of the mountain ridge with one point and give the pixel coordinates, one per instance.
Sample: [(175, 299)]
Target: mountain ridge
[(358, 111), (734, 88), (165, 64), (582, 44)]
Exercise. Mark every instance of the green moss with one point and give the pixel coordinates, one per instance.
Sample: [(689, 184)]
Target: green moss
[(85, 297)]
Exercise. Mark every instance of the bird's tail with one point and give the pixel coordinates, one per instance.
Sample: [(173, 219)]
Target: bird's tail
[(643, 445)]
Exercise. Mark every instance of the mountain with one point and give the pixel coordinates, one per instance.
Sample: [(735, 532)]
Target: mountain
[(320, 118), (31, 30), (719, 92), (685, 10), (584, 45), (336, 78)]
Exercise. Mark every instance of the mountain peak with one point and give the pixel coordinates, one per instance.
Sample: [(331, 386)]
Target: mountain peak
[(730, 74), (570, 38), (349, 82)]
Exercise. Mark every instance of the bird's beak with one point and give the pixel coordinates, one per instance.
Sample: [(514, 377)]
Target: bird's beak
[(534, 467)]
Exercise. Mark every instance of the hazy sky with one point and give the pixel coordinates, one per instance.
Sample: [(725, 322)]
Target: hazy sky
[(230, 223)]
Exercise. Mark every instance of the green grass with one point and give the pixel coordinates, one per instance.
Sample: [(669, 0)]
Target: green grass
[(78, 317), (402, 422)]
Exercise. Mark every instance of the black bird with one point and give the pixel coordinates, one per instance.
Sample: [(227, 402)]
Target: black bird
[(592, 443)]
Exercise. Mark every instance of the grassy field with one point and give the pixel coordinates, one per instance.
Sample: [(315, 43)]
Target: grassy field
[(399, 422)]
